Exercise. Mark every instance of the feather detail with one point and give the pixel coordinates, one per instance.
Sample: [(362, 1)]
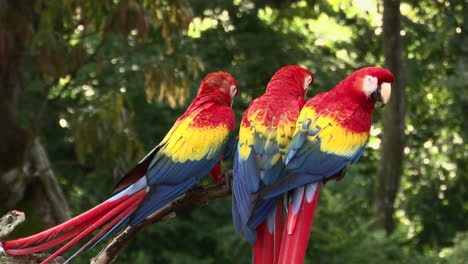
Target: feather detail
[(126, 206), (216, 172), (53, 241), (64, 227), (79, 227), (266, 130), (192, 147), (266, 248), (298, 224)]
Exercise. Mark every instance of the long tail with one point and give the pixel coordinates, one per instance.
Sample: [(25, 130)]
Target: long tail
[(114, 212), (266, 248), (301, 211)]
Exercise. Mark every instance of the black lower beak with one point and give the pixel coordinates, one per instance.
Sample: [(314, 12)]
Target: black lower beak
[(376, 95)]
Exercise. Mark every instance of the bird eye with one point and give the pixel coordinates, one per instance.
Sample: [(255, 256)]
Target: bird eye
[(233, 91), (308, 81)]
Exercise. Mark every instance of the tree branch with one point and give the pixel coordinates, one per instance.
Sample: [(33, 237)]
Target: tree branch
[(9, 221), (196, 196), (36, 122)]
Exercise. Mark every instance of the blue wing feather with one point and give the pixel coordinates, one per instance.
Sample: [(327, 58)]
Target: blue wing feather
[(167, 180), (185, 155), (259, 162), (247, 209), (230, 145), (248, 172), (307, 162), (274, 173)]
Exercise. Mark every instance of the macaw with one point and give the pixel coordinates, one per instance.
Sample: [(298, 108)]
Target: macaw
[(194, 146), (331, 132), (266, 129)]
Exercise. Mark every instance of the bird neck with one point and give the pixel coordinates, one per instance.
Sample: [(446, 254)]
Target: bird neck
[(212, 97), (284, 87)]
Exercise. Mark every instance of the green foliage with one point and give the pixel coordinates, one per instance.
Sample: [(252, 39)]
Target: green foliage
[(458, 254), (104, 131), (119, 73), (434, 187), (169, 80)]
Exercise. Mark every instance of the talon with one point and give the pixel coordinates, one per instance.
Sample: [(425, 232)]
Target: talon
[(337, 176), (227, 180)]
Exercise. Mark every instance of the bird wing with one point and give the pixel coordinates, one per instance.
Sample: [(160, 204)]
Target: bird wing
[(264, 137), (320, 148), (188, 152)]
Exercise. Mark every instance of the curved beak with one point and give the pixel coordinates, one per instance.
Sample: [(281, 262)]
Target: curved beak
[(386, 91), (382, 93)]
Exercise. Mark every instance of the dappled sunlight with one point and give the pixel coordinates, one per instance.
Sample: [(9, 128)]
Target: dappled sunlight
[(100, 83)]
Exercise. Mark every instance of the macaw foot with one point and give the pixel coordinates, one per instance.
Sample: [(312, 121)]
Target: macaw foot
[(227, 179), (337, 176), (197, 188)]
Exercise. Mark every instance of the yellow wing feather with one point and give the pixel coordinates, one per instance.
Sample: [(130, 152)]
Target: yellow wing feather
[(186, 142), (345, 141), (280, 135)]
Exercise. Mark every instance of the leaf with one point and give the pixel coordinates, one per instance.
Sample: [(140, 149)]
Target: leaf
[(105, 131)]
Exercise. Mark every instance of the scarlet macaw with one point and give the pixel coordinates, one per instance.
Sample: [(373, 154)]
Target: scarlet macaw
[(193, 146), (266, 129), (331, 132)]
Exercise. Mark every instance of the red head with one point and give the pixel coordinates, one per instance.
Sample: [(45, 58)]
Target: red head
[(220, 86), (290, 79), (368, 85)]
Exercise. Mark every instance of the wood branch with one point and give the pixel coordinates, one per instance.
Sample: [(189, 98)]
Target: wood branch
[(29, 259), (196, 196), (9, 221)]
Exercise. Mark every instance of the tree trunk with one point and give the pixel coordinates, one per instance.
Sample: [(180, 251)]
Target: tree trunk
[(8, 223), (35, 181), (393, 141), (25, 171), (13, 138)]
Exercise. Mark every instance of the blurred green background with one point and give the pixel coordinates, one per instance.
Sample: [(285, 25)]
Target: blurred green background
[(88, 87)]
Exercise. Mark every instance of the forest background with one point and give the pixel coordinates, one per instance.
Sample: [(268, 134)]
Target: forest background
[(88, 87)]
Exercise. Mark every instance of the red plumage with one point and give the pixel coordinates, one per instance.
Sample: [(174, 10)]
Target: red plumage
[(163, 175), (294, 242), (266, 128), (332, 132)]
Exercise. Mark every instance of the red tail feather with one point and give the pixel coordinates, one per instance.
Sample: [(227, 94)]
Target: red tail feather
[(296, 235), (64, 227), (267, 246), (111, 224), (77, 228), (51, 243), (131, 202), (278, 229)]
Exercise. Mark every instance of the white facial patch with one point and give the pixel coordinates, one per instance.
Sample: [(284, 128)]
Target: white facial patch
[(370, 85), (307, 82), (232, 91)]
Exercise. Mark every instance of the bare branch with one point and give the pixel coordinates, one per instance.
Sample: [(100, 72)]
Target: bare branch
[(29, 259), (196, 196), (9, 221)]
